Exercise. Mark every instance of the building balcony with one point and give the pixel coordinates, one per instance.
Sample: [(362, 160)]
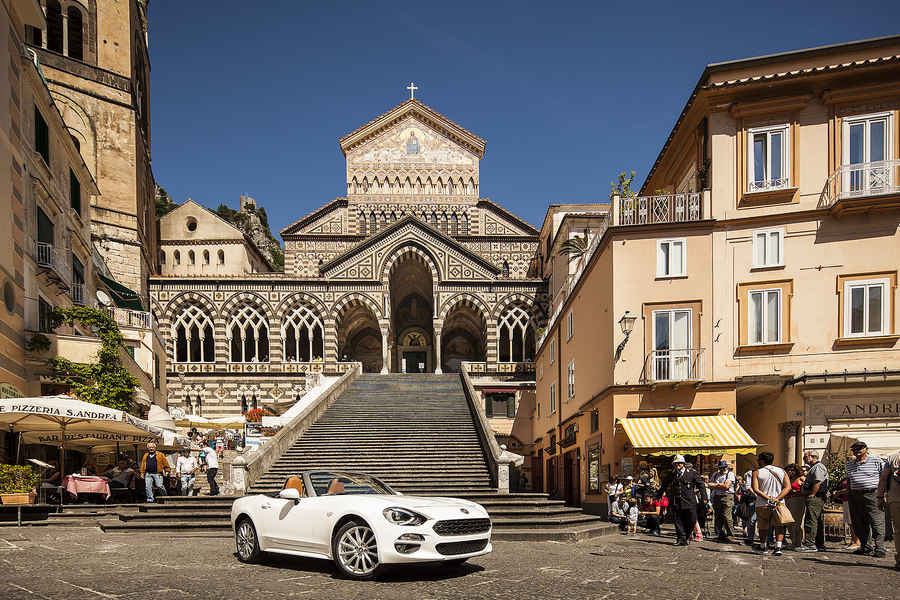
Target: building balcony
[(77, 293), (862, 186), (51, 264), (83, 349), (650, 210), (136, 319), (674, 366)]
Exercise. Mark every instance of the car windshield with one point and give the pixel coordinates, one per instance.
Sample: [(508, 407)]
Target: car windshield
[(329, 483)]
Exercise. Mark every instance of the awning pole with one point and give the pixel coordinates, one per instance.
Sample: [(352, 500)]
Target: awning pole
[(62, 452)]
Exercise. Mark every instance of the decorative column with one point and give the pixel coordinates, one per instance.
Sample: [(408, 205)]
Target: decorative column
[(65, 32), (384, 347), (437, 346), (789, 431)]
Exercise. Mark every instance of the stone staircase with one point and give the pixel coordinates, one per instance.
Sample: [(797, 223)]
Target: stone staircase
[(416, 432), (413, 431)]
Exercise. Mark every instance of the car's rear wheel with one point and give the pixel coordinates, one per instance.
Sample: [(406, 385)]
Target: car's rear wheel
[(246, 541), (355, 551)]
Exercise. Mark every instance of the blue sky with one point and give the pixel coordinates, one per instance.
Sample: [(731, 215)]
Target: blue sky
[(251, 97)]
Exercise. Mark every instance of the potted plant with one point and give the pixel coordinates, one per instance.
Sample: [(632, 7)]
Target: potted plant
[(18, 484)]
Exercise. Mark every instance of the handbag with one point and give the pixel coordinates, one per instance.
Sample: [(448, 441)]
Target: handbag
[(783, 515)]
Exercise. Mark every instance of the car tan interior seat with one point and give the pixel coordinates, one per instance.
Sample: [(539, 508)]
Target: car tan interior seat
[(335, 487), (294, 483)]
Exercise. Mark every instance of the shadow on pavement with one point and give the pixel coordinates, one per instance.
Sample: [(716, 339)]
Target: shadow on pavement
[(392, 573), (841, 563)]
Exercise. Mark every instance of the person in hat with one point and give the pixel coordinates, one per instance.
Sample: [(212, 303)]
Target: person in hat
[(721, 485), (864, 474), (683, 486)]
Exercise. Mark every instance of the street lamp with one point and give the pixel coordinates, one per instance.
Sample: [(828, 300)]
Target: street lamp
[(627, 325)]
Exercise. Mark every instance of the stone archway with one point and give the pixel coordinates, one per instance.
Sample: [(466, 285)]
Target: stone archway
[(359, 336), (411, 288), (463, 336)]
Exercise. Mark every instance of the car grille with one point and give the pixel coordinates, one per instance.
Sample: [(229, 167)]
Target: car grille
[(462, 526), (451, 548)]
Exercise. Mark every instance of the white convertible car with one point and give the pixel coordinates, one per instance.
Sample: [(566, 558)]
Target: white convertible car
[(359, 522)]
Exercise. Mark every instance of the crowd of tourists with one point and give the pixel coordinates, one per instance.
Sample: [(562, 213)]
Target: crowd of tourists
[(771, 504), (154, 474)]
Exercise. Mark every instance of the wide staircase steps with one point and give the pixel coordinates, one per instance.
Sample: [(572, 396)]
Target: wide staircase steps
[(416, 433)]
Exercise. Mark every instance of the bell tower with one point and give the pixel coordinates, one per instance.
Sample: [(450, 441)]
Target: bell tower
[(95, 58)]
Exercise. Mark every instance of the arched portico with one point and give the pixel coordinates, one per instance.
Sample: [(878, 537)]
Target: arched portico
[(412, 335)]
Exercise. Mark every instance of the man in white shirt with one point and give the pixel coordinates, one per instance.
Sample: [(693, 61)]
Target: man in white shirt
[(770, 484), (185, 468), (212, 468)]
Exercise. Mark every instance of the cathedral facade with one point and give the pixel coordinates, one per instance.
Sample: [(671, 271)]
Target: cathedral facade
[(411, 271)]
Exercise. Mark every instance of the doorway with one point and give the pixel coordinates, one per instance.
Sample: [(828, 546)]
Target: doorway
[(572, 478), (414, 361)]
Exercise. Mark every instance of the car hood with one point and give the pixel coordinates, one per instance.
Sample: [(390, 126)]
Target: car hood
[(426, 502)]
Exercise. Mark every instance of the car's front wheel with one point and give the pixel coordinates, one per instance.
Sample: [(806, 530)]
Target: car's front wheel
[(355, 550), (246, 542)]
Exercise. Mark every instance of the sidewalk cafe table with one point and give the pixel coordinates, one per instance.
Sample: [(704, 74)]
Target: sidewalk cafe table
[(87, 484)]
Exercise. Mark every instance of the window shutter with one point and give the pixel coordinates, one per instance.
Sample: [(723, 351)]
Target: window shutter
[(74, 192)]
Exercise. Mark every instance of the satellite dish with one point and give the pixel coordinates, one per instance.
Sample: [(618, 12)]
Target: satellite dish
[(104, 298)]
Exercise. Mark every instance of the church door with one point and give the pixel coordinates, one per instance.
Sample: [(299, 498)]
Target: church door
[(415, 361)]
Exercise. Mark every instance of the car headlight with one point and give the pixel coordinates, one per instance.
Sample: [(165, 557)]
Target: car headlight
[(402, 516)]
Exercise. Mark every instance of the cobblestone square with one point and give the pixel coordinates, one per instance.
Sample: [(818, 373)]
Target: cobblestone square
[(44, 563)]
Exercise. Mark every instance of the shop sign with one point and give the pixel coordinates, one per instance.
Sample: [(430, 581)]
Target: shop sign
[(683, 436), (870, 409), (627, 464)]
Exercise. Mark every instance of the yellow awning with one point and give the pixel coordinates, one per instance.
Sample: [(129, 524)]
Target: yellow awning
[(716, 434)]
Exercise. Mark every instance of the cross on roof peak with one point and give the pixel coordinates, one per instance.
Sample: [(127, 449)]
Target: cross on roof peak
[(412, 90)]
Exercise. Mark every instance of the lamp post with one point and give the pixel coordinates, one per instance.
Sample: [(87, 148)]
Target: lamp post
[(627, 325)]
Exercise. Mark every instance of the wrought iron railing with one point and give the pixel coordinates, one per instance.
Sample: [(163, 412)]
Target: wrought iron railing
[(44, 254), (78, 293), (668, 208), (861, 180), (125, 317), (673, 365), (47, 257), (767, 185)]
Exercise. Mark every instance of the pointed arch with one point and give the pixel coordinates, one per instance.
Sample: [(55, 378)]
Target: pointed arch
[(408, 250), (303, 334), (190, 317), (247, 333), (516, 333), (352, 299), (362, 223)]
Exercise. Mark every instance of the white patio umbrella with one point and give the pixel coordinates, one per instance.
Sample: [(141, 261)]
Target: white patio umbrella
[(69, 423)]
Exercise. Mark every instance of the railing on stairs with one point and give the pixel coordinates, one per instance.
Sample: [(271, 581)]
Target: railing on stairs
[(498, 459), (247, 468)]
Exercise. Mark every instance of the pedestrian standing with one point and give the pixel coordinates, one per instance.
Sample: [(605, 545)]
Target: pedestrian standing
[(153, 466), (814, 492), (864, 475), (212, 468), (185, 469), (682, 487), (796, 503), (771, 485), (888, 494), (721, 486)]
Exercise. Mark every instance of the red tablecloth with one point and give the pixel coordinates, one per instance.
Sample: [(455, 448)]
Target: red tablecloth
[(86, 484)]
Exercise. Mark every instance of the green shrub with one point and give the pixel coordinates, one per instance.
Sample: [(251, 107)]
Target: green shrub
[(18, 480)]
